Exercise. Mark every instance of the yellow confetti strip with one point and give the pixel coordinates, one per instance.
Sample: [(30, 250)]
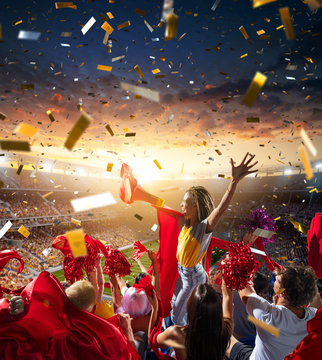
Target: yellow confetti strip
[(244, 55), (244, 32), (157, 164), (109, 167), (15, 145), (44, 196), (306, 162), (77, 242), (107, 27), (172, 27), (308, 143), (123, 25), (287, 22), (280, 291), (280, 27), (26, 129), (312, 190), (18, 22), (182, 36), (23, 231), (298, 226), (269, 328), (62, 5), (258, 3), (50, 115), (155, 71), (254, 88), (77, 131), (260, 32), (76, 222), (182, 167), (277, 218), (138, 70), (104, 67), (110, 15)]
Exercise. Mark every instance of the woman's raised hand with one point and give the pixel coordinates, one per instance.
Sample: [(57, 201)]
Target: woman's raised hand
[(243, 169)]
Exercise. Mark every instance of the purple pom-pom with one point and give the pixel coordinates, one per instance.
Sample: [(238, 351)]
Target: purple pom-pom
[(260, 219)]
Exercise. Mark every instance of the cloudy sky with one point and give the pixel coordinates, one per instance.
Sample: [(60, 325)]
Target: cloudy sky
[(204, 79)]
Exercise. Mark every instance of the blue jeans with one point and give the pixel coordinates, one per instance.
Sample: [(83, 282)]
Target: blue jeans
[(188, 278)]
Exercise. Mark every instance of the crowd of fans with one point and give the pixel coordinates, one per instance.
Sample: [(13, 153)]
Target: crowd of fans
[(121, 225)]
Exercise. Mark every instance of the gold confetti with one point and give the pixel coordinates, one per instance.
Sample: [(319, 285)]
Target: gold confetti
[(306, 162), (254, 88), (277, 218), (218, 152), (62, 5), (155, 71), (298, 226), (172, 26), (104, 67), (109, 129), (110, 15), (148, 26), (19, 169), (2, 116), (244, 56), (138, 70), (76, 222), (157, 164), (26, 129), (308, 143), (140, 12), (182, 167), (77, 131), (50, 115), (23, 231), (244, 32), (27, 87), (44, 196), (76, 240), (258, 3), (287, 22), (252, 119), (269, 328), (15, 145), (182, 36), (260, 32), (109, 167), (107, 27), (123, 25), (18, 22), (280, 291), (280, 27)]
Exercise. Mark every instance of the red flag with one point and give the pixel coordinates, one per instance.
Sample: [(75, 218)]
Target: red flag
[(53, 328)]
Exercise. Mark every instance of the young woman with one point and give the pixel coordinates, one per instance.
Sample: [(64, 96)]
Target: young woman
[(209, 328), (200, 218)]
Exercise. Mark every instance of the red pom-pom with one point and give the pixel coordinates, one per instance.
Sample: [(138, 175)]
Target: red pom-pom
[(139, 250), (239, 267), (116, 263), (73, 268)]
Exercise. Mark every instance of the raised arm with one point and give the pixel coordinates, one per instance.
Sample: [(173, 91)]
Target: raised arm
[(116, 296), (227, 302), (142, 268), (155, 275), (238, 173), (96, 278)]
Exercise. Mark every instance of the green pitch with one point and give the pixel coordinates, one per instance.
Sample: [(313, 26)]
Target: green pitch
[(153, 245)]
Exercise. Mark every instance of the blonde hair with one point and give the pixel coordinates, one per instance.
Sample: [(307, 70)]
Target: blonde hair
[(81, 294)]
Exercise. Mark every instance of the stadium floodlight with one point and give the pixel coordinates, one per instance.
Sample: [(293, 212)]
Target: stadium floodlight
[(288, 171), (187, 177)]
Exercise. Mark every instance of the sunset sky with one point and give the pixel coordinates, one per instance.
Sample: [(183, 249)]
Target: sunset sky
[(205, 81)]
